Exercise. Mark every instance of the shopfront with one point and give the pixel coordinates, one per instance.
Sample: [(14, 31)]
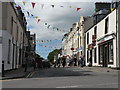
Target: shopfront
[(105, 48)]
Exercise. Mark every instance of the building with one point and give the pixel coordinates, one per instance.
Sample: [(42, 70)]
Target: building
[(13, 37), (102, 39)]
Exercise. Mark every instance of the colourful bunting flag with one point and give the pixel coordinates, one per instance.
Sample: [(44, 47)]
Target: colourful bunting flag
[(78, 9), (52, 6), (42, 5), (24, 2), (28, 13), (48, 26), (33, 4), (38, 20), (61, 6), (36, 17), (18, 8), (32, 15), (14, 3), (70, 6)]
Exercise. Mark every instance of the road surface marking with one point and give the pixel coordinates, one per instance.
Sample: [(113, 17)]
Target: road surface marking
[(75, 86)]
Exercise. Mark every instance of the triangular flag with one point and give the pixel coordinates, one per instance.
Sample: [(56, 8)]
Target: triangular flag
[(33, 4), (32, 15), (78, 9), (48, 26), (18, 7), (36, 17), (42, 5), (38, 20), (61, 6), (24, 2), (14, 3), (52, 6), (28, 13), (70, 6)]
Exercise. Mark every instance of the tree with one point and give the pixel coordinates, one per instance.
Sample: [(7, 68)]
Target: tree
[(52, 54)]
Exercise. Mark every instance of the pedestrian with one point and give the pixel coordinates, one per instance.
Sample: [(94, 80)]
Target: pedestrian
[(75, 60), (63, 61), (90, 61), (81, 61), (58, 63)]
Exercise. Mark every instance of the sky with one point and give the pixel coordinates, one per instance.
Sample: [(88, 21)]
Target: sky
[(59, 17)]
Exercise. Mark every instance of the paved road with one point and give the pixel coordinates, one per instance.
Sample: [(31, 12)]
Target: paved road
[(65, 78)]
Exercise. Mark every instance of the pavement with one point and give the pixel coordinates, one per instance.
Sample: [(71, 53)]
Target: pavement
[(18, 73), (101, 69)]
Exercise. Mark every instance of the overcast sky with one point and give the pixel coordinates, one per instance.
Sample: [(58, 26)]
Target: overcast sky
[(59, 17)]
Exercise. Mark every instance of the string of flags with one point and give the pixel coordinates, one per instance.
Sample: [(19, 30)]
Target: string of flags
[(45, 41), (42, 5), (46, 24), (38, 19), (48, 46)]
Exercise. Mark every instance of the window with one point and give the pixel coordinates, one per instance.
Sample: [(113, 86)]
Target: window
[(110, 60), (87, 56), (95, 59), (100, 54), (9, 47), (88, 38), (106, 25), (95, 31), (11, 25)]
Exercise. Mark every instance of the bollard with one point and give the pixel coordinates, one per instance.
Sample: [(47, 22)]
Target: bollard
[(3, 71)]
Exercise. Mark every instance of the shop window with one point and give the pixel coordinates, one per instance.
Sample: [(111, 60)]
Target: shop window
[(106, 25), (95, 59), (100, 54), (110, 61)]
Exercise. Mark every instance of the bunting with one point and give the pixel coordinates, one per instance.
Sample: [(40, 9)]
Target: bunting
[(78, 9), (33, 4), (52, 6), (24, 2), (42, 5), (38, 20)]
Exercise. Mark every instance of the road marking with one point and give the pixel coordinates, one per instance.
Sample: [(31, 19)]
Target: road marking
[(67, 87), (75, 86), (10, 80)]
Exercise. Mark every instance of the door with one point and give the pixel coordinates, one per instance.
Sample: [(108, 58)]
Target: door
[(13, 57), (106, 55), (91, 61)]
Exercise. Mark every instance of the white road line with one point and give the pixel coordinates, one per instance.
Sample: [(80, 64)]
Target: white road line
[(75, 86)]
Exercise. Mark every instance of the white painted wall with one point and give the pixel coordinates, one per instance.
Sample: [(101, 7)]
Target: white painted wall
[(101, 33)]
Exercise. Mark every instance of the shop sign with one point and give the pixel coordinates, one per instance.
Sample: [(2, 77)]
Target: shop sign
[(105, 39), (80, 48)]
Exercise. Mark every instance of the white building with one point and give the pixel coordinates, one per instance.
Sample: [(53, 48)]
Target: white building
[(102, 41)]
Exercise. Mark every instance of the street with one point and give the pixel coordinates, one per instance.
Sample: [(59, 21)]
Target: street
[(69, 77)]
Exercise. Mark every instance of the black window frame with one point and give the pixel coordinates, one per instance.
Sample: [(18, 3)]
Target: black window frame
[(106, 25)]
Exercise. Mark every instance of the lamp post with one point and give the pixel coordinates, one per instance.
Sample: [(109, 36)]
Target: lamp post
[(3, 71), (78, 43)]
